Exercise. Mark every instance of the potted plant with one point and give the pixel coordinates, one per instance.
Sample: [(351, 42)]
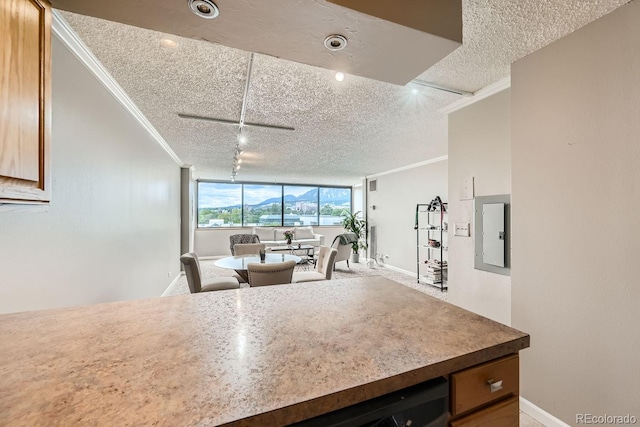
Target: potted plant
[(357, 226)]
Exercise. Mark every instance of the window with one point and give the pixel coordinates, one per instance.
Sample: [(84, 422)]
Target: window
[(262, 205), (219, 205), (334, 204), (300, 205), (248, 205)]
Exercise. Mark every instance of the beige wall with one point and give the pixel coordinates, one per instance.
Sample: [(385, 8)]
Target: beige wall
[(112, 231), (576, 175), (479, 146), (395, 200)]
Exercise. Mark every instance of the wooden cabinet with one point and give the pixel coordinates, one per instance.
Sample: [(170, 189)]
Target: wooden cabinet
[(25, 101), (487, 394), (505, 413)]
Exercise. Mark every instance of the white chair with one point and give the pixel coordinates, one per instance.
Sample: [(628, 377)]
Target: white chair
[(344, 250), (248, 248), (324, 267), (194, 279), (270, 274)]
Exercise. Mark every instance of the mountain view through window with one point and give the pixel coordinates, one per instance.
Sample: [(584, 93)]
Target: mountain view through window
[(237, 205)]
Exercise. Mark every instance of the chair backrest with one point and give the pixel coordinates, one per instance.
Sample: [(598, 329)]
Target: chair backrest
[(248, 248), (325, 261), (344, 250), (192, 271), (235, 239), (270, 274)]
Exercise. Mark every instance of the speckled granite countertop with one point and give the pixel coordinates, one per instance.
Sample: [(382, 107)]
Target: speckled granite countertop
[(258, 356)]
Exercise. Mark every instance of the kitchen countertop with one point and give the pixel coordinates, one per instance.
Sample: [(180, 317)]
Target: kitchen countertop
[(271, 355)]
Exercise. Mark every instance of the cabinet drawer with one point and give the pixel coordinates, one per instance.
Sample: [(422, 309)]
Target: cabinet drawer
[(472, 388), (505, 413)]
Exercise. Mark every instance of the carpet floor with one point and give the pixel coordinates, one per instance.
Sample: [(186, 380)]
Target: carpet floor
[(209, 270)]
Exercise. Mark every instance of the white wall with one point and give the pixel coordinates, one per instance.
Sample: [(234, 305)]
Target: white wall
[(112, 230), (576, 198), (395, 199), (479, 146)]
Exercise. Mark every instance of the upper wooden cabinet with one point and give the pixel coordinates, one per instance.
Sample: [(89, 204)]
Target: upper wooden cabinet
[(25, 101)]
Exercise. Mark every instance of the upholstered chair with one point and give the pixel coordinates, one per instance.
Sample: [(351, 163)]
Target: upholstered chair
[(248, 248), (324, 267), (192, 271), (270, 274), (344, 250), (235, 239)]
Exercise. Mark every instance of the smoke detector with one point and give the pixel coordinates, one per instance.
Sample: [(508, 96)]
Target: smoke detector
[(335, 42), (204, 8)]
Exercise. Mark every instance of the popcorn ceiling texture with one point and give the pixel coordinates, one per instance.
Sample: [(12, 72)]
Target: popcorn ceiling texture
[(497, 33), (343, 131)]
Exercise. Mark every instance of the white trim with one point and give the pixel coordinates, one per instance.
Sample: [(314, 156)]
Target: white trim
[(70, 39), (483, 93), (540, 415), (173, 283), (414, 165), (399, 270)]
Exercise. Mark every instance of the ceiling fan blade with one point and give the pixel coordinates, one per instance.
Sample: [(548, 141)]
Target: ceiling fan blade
[(233, 122)]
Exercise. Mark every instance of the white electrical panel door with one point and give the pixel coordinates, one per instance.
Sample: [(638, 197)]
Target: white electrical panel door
[(493, 234)]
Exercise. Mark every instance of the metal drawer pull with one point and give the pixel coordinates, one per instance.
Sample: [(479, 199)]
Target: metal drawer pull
[(494, 385)]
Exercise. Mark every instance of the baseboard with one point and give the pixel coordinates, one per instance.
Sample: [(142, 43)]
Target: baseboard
[(540, 415), (399, 270), (173, 283)]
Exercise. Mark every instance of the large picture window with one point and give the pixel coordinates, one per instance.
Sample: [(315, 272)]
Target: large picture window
[(250, 204)]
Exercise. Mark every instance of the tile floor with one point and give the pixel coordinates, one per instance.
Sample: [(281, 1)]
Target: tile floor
[(527, 421)]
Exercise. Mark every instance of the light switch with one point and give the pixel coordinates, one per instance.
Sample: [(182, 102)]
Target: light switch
[(461, 229), (466, 192)]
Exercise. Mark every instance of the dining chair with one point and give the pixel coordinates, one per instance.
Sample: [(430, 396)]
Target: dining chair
[(235, 239), (324, 267), (194, 278), (248, 248), (270, 274)]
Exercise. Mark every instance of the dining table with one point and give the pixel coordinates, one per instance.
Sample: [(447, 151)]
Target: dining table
[(240, 263)]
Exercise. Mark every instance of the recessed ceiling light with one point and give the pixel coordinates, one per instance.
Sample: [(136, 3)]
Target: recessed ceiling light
[(335, 42), (242, 139), (339, 76), (414, 91), (204, 8)]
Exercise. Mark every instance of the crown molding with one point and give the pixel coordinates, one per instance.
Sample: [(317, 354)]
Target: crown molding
[(411, 166), (483, 93), (70, 39)]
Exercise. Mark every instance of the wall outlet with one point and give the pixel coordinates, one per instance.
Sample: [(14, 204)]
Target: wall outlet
[(169, 275), (461, 229)]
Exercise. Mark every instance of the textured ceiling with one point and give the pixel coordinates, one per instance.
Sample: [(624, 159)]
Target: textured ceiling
[(343, 130)]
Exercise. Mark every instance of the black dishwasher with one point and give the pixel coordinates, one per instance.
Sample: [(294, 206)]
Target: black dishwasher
[(422, 405)]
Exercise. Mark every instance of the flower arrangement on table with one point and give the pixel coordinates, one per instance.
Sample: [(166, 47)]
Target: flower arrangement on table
[(288, 235)]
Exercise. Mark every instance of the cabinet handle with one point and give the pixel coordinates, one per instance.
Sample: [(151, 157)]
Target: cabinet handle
[(494, 385)]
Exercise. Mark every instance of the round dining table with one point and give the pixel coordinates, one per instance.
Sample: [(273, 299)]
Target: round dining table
[(239, 263)]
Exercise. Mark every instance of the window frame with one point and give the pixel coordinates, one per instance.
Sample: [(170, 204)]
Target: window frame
[(282, 185)]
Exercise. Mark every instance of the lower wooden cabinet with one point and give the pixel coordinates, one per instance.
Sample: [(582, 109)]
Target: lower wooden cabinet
[(505, 413), (486, 394)]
